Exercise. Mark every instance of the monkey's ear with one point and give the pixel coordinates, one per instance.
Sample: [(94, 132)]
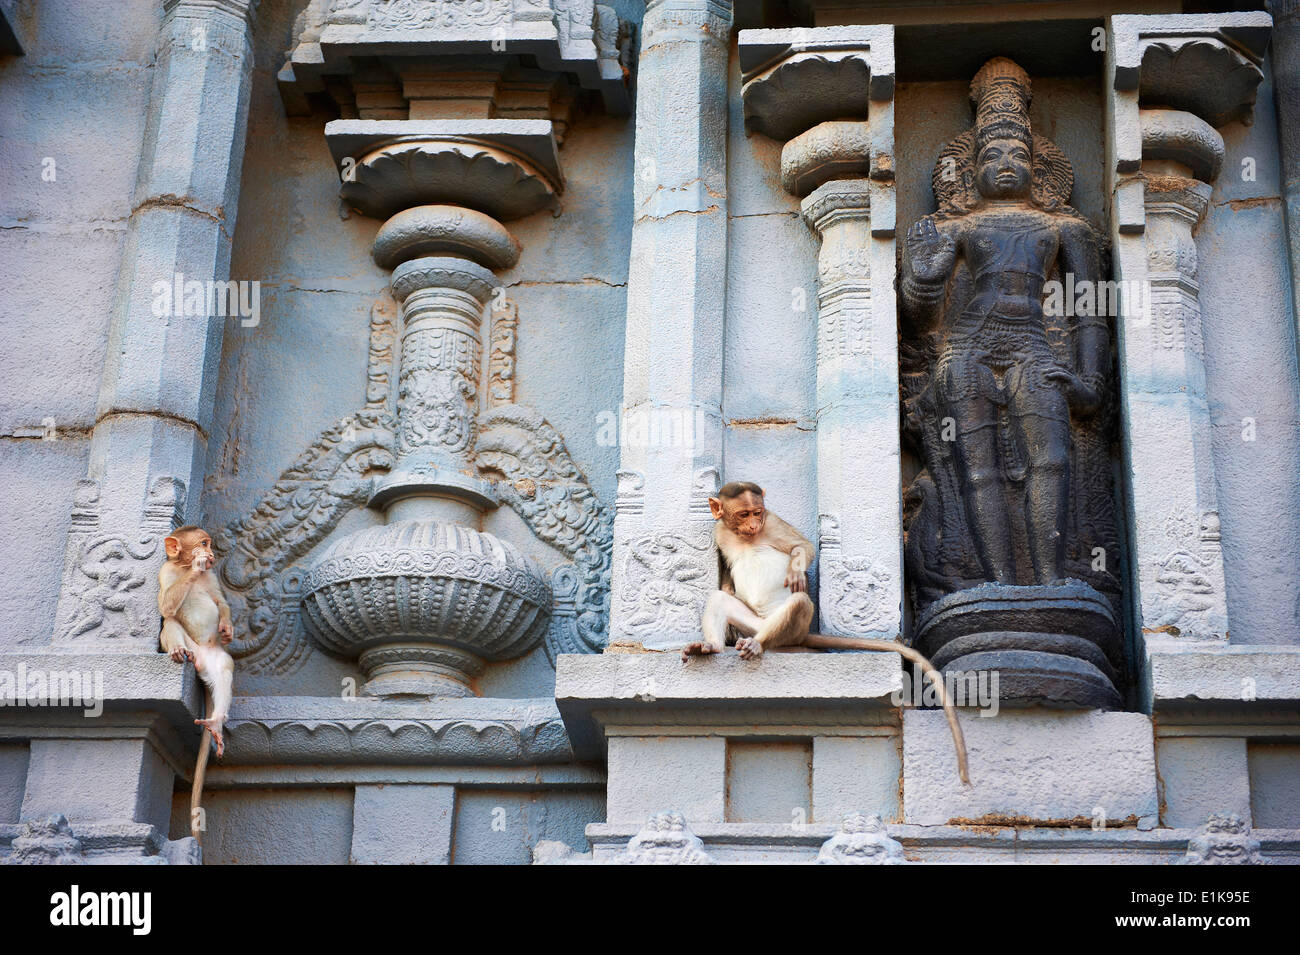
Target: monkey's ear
[(715, 508), (172, 545)]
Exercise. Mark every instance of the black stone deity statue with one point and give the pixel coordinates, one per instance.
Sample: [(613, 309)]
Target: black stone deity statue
[(1010, 524)]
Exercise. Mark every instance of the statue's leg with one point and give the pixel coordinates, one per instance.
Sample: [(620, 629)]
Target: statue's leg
[(1044, 419), (982, 484), (1047, 490), (722, 610)]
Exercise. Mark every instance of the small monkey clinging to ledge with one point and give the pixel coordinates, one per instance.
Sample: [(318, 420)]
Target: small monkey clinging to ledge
[(196, 626), (763, 597)]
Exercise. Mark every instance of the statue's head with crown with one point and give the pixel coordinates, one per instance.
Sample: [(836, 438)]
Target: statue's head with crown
[(999, 158), (1004, 141)]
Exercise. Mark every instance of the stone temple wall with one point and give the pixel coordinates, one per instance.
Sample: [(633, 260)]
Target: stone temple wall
[(556, 223)]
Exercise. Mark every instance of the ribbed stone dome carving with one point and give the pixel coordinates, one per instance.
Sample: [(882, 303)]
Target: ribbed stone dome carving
[(426, 582)]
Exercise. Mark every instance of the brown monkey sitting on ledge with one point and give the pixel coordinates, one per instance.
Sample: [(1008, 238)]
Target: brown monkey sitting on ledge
[(763, 596), (763, 563)]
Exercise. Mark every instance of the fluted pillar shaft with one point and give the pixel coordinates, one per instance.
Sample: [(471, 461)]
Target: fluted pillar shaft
[(857, 420), (664, 564)]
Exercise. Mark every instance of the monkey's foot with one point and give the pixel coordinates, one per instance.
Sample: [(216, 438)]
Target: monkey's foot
[(750, 648), (697, 649), (213, 726)]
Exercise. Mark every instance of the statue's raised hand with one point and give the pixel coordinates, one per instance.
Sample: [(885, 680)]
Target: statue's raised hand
[(930, 254)]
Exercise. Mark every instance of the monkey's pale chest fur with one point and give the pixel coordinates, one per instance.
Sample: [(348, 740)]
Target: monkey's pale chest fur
[(199, 614), (758, 573)]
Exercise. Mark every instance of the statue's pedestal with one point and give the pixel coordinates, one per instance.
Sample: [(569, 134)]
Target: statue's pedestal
[(1057, 645)]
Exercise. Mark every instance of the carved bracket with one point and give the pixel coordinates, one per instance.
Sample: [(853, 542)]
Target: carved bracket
[(544, 486)]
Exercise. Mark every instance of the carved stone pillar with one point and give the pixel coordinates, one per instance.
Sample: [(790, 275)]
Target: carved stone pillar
[(1162, 162), (155, 406), (1179, 570), (426, 600), (664, 564), (828, 93), (445, 140), (861, 576)]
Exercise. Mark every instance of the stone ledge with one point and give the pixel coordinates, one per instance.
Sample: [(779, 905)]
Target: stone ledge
[(593, 692), (1200, 675), (781, 843), (298, 730), (131, 681), (531, 139)]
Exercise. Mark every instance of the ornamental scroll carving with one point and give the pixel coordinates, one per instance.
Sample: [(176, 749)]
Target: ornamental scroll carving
[(323, 484), (538, 480), (544, 486)]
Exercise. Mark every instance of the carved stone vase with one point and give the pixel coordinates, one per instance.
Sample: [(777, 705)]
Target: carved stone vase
[(423, 604)]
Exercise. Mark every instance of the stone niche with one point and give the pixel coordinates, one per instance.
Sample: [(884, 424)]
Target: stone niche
[(1012, 553)]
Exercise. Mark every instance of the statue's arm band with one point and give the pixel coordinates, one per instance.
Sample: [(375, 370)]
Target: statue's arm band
[(922, 292)]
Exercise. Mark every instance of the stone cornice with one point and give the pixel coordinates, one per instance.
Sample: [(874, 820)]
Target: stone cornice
[(333, 731)]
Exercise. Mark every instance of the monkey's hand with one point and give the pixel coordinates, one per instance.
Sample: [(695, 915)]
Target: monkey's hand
[(226, 631), (796, 581), (180, 654)]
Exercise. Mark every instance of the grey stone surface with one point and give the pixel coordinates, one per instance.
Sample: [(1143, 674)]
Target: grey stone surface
[(1225, 839), (584, 39), (664, 566), (666, 840), (1245, 372), (510, 827), (13, 779), (52, 840), (132, 781), (274, 826), (298, 730), (1182, 676), (720, 252), (1199, 776), (856, 774), (752, 843), (769, 781), (402, 825), (1274, 776), (861, 841), (645, 770), (1032, 767), (14, 26)]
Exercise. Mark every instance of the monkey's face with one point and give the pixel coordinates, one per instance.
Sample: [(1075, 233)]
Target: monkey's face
[(191, 549), (744, 515)]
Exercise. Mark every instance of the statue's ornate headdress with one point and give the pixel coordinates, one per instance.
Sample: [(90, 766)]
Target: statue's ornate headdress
[(1000, 94)]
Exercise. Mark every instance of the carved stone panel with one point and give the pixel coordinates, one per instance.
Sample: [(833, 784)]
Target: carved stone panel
[(1009, 405)]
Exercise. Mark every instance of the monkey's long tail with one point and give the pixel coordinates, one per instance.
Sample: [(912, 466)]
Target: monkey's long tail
[(821, 641), (200, 770)]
